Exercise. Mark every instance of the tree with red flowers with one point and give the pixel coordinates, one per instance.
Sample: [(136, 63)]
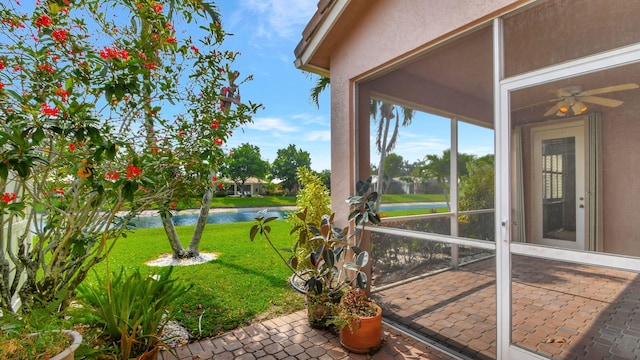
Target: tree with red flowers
[(88, 136)]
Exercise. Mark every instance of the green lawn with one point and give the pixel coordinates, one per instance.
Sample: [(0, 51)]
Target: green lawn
[(409, 198), (291, 200), (246, 281), (253, 201)]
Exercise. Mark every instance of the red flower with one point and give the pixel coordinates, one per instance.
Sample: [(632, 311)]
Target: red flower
[(63, 94), (132, 171), (72, 147), (1, 65), (215, 124), (195, 49), (9, 197), (150, 65), (59, 35), (43, 21), (1, 85), (198, 203), (180, 134), (58, 190), (154, 150), (171, 40), (172, 205), (47, 68), (157, 7), (220, 186), (111, 176), (218, 141), (49, 111), (214, 178), (112, 53)]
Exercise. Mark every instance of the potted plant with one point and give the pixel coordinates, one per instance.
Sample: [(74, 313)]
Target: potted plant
[(358, 317), (329, 277), (36, 336)]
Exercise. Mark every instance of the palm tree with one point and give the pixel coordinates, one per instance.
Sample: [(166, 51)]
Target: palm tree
[(320, 86), (383, 114), (387, 113)]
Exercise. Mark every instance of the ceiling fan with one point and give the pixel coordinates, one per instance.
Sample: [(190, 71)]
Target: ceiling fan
[(572, 99)]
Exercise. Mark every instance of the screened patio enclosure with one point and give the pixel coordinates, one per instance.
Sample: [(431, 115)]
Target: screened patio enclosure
[(554, 85)]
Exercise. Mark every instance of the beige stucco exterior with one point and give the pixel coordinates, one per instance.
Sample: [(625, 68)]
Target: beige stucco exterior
[(507, 66), (433, 54)]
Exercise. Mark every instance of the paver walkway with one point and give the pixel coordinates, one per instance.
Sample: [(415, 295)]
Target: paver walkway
[(291, 338), (560, 310)]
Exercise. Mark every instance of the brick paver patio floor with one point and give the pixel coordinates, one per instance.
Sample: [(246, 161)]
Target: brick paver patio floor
[(560, 310), (290, 338)]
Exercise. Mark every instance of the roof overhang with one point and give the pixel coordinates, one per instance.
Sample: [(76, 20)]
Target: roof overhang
[(314, 49)]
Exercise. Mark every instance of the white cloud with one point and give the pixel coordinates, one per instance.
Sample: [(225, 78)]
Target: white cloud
[(308, 119), (272, 124), (319, 135), (280, 18)]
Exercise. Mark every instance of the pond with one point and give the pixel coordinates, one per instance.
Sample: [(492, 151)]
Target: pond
[(218, 217), (221, 216)]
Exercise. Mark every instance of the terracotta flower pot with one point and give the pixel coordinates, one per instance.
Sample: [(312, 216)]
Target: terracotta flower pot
[(363, 335)]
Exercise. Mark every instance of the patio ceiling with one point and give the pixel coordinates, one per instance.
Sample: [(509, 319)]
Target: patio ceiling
[(456, 80)]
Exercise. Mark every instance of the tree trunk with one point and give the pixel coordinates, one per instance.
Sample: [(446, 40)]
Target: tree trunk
[(172, 235), (202, 221), (383, 155)]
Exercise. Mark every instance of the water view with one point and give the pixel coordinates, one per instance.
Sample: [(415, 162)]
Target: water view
[(220, 217)]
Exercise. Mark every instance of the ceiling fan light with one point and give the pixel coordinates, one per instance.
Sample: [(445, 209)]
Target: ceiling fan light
[(564, 107), (579, 108)]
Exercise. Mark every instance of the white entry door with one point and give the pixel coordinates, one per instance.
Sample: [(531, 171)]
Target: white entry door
[(558, 185)]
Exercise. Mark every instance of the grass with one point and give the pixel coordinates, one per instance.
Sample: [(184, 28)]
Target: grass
[(253, 201), (246, 281), (411, 212), (409, 198), (291, 200)]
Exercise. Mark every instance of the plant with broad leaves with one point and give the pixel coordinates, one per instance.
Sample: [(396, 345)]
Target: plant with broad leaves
[(84, 142), (330, 273)]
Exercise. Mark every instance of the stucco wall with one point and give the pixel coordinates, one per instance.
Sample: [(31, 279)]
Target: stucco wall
[(621, 183), (385, 31)]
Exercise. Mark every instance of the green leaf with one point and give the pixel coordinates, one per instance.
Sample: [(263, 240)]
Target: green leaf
[(128, 190), (68, 85), (362, 259), (350, 266), (270, 219), (361, 280), (254, 231), (38, 135), (329, 257), (4, 171)]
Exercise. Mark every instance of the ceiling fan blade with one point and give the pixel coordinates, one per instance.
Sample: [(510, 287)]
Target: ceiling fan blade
[(601, 101), (553, 110), (560, 93), (609, 89)]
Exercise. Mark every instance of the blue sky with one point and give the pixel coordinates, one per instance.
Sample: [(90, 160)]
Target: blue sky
[(266, 33)]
